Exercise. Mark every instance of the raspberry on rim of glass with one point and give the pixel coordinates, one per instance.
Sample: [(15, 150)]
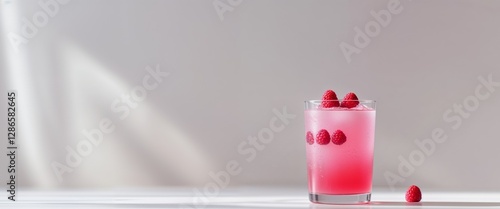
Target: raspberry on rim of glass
[(350, 100), (330, 99)]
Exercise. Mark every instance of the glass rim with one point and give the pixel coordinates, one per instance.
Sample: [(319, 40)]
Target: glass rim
[(340, 100)]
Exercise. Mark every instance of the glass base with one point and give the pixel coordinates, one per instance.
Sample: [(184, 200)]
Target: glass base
[(340, 199)]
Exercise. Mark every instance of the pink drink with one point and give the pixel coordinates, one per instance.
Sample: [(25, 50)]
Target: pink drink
[(341, 170)]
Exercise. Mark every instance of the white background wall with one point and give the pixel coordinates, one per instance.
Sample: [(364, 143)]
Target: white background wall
[(226, 77)]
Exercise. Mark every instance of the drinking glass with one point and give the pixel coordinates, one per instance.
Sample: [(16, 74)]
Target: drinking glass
[(339, 147)]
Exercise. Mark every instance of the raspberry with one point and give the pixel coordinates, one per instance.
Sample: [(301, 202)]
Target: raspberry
[(323, 137), (338, 137), (413, 194), (350, 100), (309, 138), (330, 95)]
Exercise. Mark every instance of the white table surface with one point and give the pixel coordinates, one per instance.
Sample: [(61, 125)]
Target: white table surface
[(239, 198)]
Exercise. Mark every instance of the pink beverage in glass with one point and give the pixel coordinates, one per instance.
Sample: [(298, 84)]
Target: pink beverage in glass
[(340, 173)]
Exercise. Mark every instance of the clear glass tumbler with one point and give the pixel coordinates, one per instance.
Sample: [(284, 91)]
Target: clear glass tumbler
[(339, 147)]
